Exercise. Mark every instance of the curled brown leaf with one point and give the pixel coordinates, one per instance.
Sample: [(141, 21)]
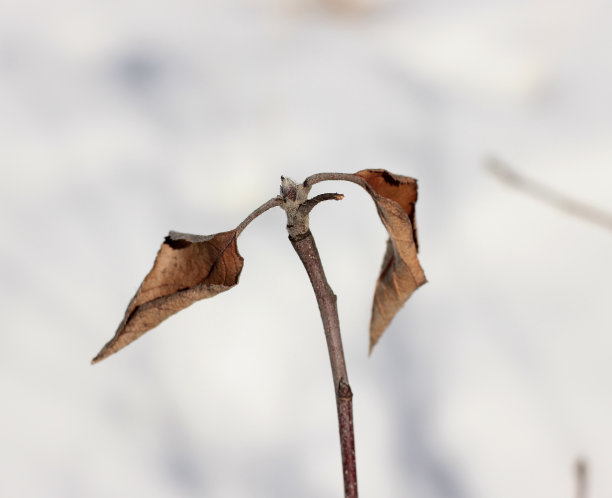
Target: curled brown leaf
[(401, 273), (187, 268)]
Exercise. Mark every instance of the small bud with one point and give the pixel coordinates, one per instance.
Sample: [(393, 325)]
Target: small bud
[(288, 188)]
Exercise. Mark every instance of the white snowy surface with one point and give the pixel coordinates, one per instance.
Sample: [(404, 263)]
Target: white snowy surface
[(122, 120)]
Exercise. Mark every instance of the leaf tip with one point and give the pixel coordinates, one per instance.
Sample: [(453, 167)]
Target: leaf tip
[(110, 348), (373, 341), (99, 357)]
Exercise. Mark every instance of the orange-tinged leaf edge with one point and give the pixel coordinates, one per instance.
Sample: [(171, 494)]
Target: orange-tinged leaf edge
[(401, 274)]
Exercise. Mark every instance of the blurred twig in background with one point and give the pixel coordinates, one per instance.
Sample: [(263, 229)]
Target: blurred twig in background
[(571, 206), (581, 478)]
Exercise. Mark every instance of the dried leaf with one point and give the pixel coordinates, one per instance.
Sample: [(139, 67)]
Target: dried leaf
[(187, 268), (401, 274)]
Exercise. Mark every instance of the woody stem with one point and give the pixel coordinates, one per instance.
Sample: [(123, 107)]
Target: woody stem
[(306, 249)]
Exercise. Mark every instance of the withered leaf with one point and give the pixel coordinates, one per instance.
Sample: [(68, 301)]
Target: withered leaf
[(187, 268), (401, 273)]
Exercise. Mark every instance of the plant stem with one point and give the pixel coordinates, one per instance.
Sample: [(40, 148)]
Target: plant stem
[(540, 191), (276, 201), (581, 478), (306, 249)]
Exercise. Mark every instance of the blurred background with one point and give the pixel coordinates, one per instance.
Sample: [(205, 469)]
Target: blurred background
[(122, 120)]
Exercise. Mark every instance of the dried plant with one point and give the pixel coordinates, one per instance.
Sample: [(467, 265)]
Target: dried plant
[(193, 267)]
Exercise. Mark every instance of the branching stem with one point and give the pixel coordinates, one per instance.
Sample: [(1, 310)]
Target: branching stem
[(304, 244)]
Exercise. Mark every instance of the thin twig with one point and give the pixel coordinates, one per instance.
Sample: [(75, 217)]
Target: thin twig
[(326, 299), (574, 207), (581, 478), (276, 201), (324, 177), (311, 203), (298, 207)]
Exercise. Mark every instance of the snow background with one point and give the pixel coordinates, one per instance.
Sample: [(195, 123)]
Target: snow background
[(120, 121)]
